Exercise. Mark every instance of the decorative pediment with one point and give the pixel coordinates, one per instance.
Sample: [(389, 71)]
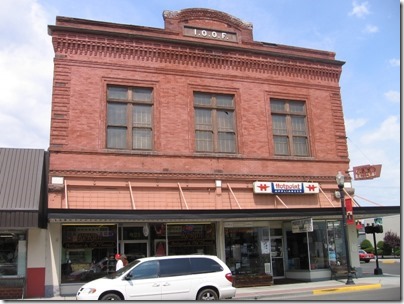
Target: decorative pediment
[(207, 14), (208, 24)]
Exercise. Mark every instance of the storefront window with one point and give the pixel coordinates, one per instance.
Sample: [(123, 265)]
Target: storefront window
[(317, 249), (336, 245), (318, 246), (248, 250), (12, 254), (189, 239), (87, 252), (158, 239)]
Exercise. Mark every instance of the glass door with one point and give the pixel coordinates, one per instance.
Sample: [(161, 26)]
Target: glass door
[(135, 249), (134, 241), (278, 270)]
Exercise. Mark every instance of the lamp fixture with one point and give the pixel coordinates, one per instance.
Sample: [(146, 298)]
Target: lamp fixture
[(340, 179)]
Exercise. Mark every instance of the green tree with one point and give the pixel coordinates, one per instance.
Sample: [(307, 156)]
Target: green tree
[(367, 246), (380, 248), (387, 250)]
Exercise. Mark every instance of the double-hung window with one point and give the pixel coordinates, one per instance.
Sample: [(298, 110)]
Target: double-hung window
[(289, 127), (129, 118), (214, 123)]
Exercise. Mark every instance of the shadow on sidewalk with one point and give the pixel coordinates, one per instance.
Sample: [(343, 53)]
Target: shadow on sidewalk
[(287, 281)]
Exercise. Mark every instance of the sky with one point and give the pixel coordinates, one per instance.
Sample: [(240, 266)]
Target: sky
[(363, 34)]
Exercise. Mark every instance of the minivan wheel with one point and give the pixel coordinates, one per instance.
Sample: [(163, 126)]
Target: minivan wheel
[(111, 297), (207, 295)]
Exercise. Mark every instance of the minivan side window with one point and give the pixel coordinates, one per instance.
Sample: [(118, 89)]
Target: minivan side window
[(146, 270), (204, 265), (174, 267)]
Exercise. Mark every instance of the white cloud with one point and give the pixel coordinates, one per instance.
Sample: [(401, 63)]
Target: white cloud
[(389, 130), (359, 9), (392, 96), (394, 62), (371, 29), (352, 124), (26, 55)]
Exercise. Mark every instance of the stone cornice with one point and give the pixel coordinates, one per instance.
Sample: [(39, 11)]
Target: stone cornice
[(193, 54)]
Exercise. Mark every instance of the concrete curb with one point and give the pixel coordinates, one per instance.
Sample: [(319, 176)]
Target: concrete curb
[(388, 261), (347, 288)]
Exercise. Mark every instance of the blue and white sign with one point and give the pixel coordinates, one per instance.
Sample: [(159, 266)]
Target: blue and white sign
[(285, 188)]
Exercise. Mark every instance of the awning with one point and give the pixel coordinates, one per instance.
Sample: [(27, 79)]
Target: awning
[(22, 188), (91, 215)]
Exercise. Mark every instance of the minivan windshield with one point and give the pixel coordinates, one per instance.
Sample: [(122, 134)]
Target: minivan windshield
[(122, 270)]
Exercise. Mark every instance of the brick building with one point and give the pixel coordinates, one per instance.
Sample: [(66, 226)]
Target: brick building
[(193, 138)]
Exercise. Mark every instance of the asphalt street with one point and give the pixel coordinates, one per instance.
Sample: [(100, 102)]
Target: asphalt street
[(299, 291)]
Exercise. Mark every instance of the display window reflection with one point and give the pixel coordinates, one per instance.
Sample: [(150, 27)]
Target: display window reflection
[(317, 249), (188, 239), (87, 252), (12, 254), (248, 250)]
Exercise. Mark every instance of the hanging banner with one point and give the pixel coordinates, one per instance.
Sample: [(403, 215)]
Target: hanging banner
[(349, 211)]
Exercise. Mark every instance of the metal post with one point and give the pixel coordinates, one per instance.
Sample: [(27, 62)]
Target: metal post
[(377, 270), (344, 230)]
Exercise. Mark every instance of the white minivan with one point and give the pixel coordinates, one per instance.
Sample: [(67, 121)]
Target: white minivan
[(183, 277)]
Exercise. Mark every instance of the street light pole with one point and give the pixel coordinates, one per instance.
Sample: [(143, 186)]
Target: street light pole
[(340, 182)]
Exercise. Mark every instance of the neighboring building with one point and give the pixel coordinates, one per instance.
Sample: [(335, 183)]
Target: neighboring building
[(193, 139), (389, 223), (23, 199)]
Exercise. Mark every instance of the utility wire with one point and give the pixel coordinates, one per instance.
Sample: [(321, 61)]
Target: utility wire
[(377, 204), (370, 162)]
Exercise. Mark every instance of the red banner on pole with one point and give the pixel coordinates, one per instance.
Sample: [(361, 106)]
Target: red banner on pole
[(349, 211)]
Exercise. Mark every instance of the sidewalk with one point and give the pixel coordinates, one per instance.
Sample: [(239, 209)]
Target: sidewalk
[(330, 286)]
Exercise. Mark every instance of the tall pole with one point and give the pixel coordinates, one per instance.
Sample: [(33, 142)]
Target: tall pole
[(377, 270), (340, 182)]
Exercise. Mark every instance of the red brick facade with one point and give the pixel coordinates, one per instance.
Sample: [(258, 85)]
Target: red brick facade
[(90, 55)]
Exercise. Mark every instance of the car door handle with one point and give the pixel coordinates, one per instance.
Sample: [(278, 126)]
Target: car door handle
[(156, 285), (166, 284)]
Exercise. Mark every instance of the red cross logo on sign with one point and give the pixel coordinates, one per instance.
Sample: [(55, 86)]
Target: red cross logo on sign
[(263, 187), (311, 187)]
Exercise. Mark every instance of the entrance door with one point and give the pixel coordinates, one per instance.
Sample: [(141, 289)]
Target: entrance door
[(278, 270), (135, 249)]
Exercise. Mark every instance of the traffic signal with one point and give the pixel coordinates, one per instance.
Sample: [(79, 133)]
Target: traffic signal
[(369, 229), (378, 229), (374, 229)]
